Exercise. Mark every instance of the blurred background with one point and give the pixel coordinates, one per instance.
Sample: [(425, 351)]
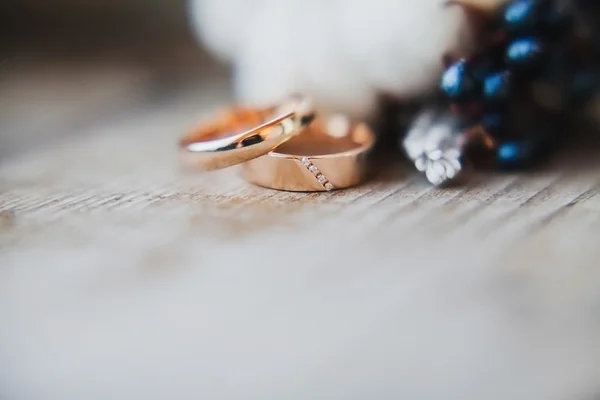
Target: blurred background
[(500, 320), (69, 61)]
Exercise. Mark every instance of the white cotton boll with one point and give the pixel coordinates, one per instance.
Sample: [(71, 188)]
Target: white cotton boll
[(344, 53), (292, 49), (400, 44)]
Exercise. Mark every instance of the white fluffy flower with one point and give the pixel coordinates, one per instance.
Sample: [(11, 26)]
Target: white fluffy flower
[(344, 53), (433, 143)]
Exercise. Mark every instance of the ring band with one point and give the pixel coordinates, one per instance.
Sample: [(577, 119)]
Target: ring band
[(328, 155), (243, 133)]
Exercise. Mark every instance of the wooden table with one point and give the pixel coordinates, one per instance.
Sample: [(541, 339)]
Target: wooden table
[(122, 277)]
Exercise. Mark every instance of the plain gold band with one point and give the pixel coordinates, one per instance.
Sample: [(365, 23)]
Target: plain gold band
[(242, 134), (314, 161)]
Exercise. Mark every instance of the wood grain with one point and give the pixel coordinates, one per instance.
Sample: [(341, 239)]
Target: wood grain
[(122, 277)]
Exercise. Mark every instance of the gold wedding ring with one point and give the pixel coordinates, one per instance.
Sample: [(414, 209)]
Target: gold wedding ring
[(330, 153), (243, 133)]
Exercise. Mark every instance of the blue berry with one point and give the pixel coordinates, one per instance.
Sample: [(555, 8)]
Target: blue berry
[(493, 123), (524, 53), (458, 83), (496, 86), (515, 154), (521, 14), (541, 17)]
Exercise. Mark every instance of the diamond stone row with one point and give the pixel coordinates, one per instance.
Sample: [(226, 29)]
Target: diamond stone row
[(312, 168)]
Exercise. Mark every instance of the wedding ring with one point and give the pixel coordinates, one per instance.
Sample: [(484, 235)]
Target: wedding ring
[(244, 133), (330, 154)]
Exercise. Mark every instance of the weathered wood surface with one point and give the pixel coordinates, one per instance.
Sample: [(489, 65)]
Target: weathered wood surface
[(122, 277)]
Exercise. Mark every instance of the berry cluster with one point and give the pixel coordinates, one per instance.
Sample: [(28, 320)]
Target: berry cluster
[(534, 68)]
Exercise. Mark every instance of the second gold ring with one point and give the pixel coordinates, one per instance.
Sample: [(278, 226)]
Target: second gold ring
[(330, 154)]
